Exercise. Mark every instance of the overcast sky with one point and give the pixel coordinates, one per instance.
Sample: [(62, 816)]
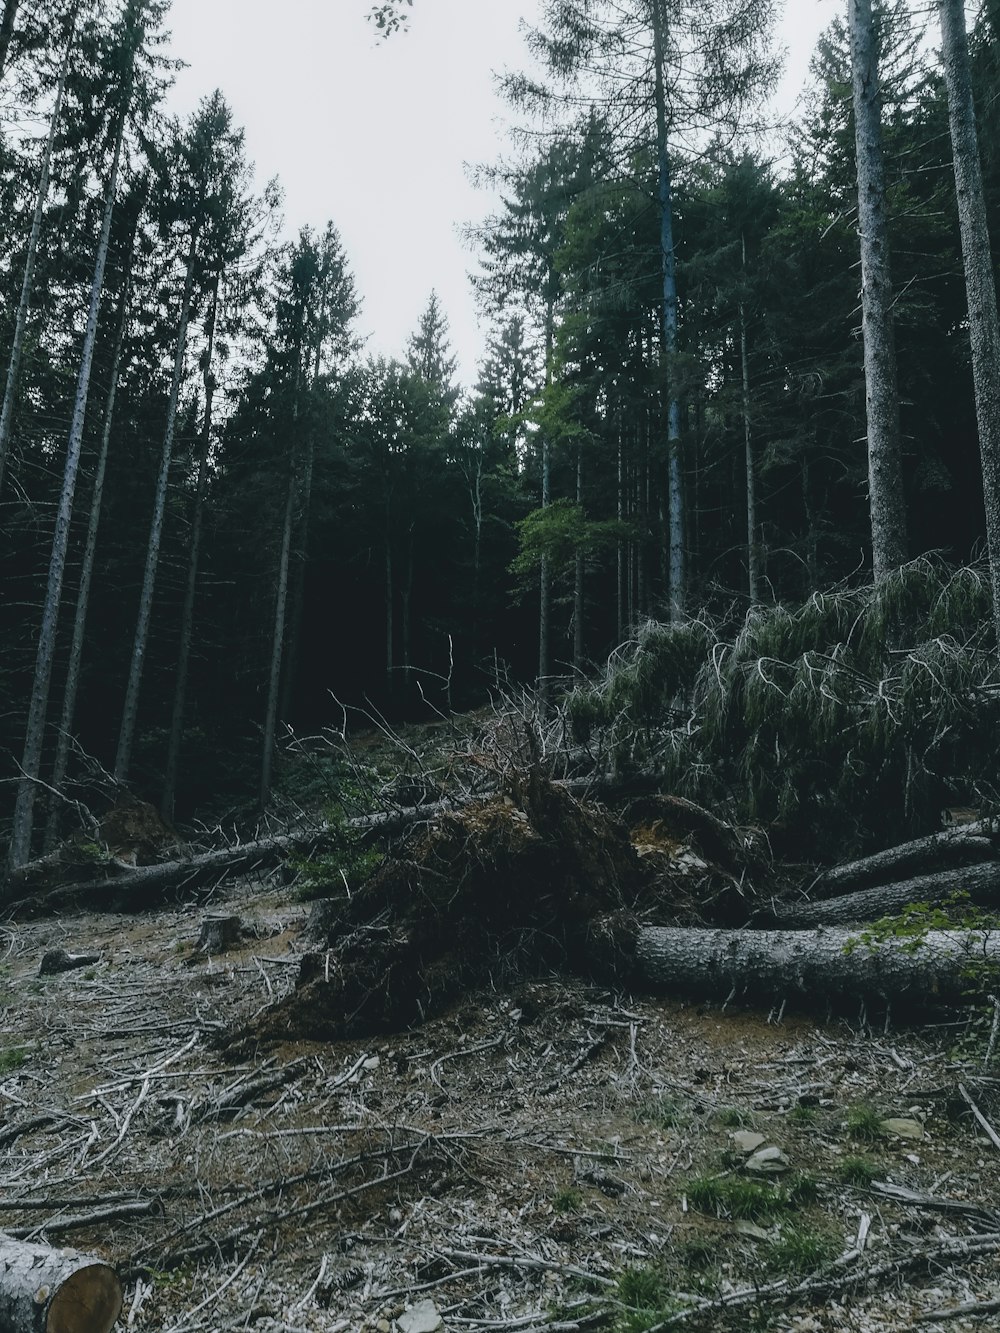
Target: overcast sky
[(374, 135)]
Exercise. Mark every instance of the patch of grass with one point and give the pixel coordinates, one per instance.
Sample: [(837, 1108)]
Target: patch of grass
[(734, 1196), (801, 1189), (663, 1112), (12, 1058), (750, 1200), (864, 1123), (802, 1115), (858, 1171), (734, 1117), (698, 1253), (566, 1200), (802, 1250), (644, 1294)]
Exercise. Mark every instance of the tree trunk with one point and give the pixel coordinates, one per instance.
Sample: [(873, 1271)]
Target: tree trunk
[(668, 260), (820, 965), (544, 581), (750, 470), (67, 716), (977, 885), (28, 281), (130, 712), (578, 577), (984, 328), (389, 649), (970, 845), (7, 32), (278, 639), (191, 587), (55, 1291), (31, 762), (622, 565), (885, 478)]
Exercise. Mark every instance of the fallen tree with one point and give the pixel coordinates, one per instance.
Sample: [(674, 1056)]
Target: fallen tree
[(43, 1290), (817, 965), (971, 844), (976, 885)]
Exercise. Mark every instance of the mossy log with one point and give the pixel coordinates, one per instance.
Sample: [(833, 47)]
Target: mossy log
[(43, 1290), (978, 885), (819, 965)]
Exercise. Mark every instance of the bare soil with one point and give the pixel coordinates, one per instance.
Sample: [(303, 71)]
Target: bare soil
[(533, 1157)]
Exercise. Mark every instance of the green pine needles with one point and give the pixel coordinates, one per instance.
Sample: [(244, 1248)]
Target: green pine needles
[(863, 710)]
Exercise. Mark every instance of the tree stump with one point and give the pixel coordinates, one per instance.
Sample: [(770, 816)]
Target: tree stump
[(219, 933), (58, 960), (56, 1291)]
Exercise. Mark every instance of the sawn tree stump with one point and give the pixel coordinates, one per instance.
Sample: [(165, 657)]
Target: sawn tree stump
[(43, 1290)]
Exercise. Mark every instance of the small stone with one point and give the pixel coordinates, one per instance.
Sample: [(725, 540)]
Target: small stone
[(746, 1141), (768, 1162), (420, 1318), (903, 1127), (373, 1062)]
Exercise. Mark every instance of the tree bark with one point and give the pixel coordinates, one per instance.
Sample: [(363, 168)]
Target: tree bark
[(668, 260), (749, 466), (86, 576), (130, 711), (31, 762), (278, 635), (970, 845), (885, 477), (56, 1291), (7, 31), (821, 965), (28, 280), (578, 576), (984, 327), (978, 885), (191, 587)]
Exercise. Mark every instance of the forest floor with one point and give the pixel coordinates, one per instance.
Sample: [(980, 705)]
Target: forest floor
[(555, 1156)]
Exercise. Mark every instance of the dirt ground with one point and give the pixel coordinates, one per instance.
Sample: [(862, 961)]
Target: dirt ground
[(554, 1156)]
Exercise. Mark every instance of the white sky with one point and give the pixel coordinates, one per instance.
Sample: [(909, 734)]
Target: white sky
[(374, 135)]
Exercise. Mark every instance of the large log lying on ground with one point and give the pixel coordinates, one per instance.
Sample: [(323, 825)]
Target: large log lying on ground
[(968, 845), (818, 965), (979, 885), (55, 1291)]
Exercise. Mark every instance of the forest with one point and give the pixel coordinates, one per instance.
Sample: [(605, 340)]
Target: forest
[(522, 854), (221, 524)]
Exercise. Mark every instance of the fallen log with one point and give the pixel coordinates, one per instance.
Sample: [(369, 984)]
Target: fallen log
[(122, 886), (43, 1290), (978, 884), (816, 965), (971, 844)]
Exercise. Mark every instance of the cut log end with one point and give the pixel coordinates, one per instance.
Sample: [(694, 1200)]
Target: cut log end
[(89, 1301), (44, 1290)]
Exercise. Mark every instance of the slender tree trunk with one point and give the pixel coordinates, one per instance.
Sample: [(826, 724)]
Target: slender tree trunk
[(278, 640), (980, 285), (544, 582), (28, 281), (578, 576), (130, 712), (750, 470), (86, 574), (668, 258), (389, 594), (191, 587), (405, 591), (885, 476), (31, 761), (621, 542), (7, 31)]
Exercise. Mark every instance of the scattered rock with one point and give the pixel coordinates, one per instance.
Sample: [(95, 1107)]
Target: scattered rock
[(903, 1127), (420, 1318), (746, 1141), (58, 960), (768, 1162)]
